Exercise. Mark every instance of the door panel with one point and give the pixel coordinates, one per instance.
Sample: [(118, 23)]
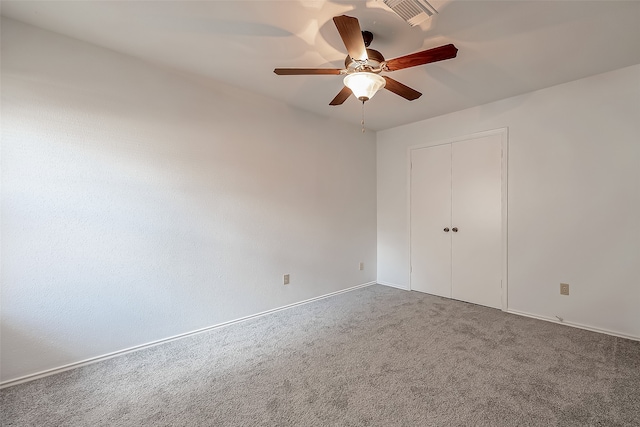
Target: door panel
[(430, 214), (476, 206)]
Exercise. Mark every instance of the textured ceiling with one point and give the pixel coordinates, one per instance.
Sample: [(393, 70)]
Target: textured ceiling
[(506, 48)]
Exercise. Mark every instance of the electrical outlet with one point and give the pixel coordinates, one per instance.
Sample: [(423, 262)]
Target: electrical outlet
[(361, 267), (564, 289), (285, 279)]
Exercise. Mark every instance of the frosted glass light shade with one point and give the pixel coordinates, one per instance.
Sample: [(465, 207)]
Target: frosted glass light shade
[(364, 84)]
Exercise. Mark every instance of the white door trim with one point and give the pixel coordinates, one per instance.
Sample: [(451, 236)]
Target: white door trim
[(504, 133)]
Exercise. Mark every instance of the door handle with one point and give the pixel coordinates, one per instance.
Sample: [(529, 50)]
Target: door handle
[(446, 230), (454, 229)]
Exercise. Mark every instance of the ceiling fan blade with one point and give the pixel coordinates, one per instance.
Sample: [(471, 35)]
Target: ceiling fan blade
[(349, 29), (425, 57), (399, 89), (305, 71), (341, 96)]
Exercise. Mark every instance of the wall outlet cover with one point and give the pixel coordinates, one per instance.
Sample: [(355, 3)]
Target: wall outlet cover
[(564, 289)]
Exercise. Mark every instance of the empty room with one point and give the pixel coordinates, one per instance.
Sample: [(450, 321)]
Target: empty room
[(320, 213)]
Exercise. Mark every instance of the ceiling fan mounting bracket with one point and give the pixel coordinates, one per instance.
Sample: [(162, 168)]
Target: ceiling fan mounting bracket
[(367, 36)]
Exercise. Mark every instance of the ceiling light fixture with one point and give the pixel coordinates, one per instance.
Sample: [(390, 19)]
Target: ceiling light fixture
[(364, 84)]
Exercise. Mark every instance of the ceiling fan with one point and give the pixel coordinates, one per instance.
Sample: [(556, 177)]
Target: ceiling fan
[(363, 66)]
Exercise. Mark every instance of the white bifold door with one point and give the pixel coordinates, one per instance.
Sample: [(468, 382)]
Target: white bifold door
[(457, 219)]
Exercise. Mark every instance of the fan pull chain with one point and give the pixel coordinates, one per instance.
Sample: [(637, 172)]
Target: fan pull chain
[(362, 122)]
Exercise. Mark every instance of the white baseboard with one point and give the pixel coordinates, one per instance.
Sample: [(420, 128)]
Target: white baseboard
[(574, 325), (393, 285), (97, 359)]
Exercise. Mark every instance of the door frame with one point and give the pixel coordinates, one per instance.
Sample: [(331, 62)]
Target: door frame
[(504, 134)]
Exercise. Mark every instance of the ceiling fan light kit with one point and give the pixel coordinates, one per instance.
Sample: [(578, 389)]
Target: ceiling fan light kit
[(364, 84)]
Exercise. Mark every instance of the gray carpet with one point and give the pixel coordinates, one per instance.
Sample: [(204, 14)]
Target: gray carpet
[(376, 356)]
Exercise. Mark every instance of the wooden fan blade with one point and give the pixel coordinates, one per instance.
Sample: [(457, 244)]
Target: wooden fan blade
[(399, 89), (305, 71), (425, 57), (341, 96), (349, 29)]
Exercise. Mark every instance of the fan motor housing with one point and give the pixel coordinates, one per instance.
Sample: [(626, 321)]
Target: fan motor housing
[(373, 63)]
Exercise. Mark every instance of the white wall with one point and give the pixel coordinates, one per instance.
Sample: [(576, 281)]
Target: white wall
[(573, 198), (138, 204)]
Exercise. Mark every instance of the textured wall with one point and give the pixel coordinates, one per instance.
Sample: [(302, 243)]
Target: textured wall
[(574, 197), (138, 204)]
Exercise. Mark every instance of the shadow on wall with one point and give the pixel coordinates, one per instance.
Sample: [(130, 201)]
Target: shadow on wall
[(19, 345), (137, 206)]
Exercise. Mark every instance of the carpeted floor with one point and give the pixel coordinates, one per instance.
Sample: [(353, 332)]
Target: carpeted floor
[(376, 356)]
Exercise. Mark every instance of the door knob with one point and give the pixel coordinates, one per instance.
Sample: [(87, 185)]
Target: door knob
[(446, 230), (455, 229)]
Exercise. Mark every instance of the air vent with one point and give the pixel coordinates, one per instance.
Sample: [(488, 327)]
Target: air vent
[(412, 11)]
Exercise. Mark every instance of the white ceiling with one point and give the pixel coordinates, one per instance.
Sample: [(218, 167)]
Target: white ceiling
[(506, 48)]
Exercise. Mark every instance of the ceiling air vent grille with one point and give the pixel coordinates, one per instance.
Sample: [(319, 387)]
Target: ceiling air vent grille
[(412, 11)]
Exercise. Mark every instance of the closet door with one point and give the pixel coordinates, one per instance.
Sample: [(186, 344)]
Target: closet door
[(430, 214), (476, 213)]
